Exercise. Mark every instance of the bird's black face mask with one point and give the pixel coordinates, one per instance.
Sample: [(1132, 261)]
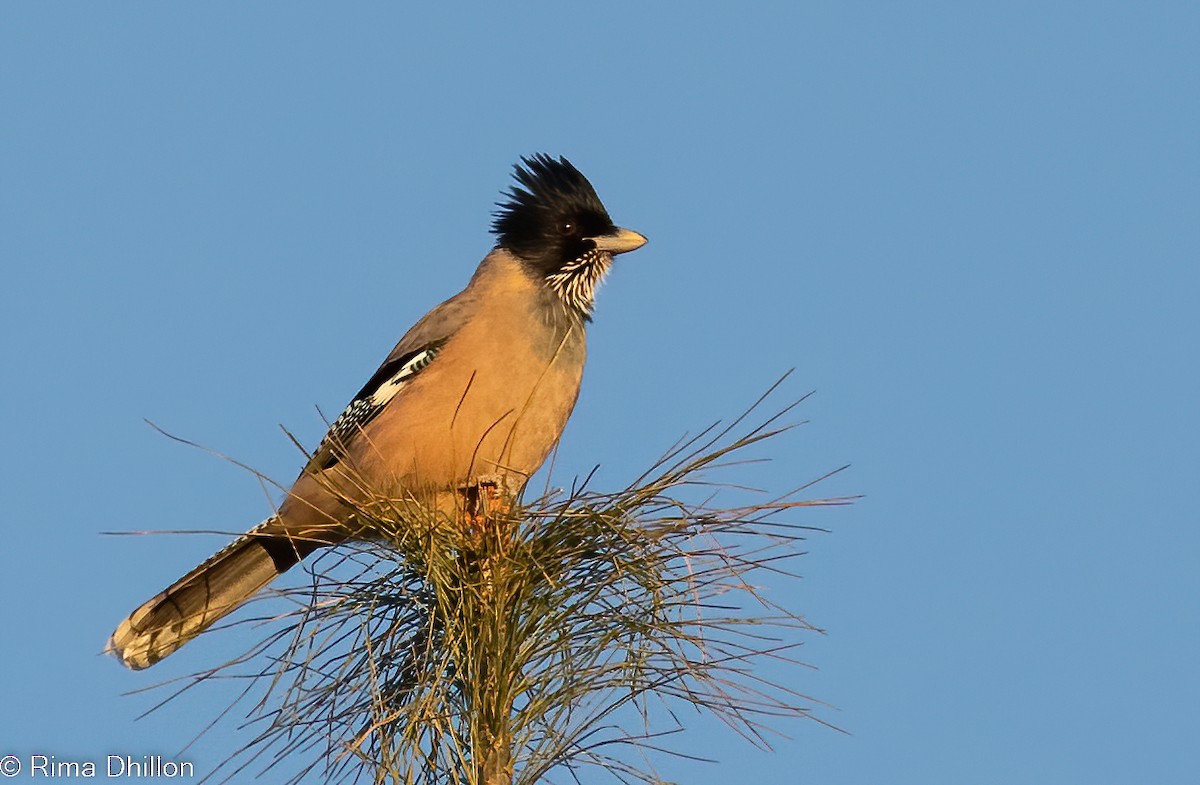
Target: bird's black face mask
[(551, 216)]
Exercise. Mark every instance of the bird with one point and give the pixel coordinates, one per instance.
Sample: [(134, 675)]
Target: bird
[(476, 393)]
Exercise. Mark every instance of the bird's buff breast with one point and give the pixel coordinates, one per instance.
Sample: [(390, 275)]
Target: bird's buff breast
[(494, 411)]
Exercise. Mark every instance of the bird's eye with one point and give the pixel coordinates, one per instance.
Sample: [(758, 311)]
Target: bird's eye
[(566, 227)]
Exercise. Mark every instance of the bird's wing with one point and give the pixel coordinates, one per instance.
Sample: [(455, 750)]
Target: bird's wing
[(416, 350), (392, 377)]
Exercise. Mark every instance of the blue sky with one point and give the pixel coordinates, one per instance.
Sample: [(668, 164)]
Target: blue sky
[(973, 229)]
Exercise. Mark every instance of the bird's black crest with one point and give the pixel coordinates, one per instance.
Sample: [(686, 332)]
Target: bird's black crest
[(549, 213)]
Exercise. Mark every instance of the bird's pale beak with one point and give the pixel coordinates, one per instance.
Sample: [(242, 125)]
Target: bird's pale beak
[(619, 241)]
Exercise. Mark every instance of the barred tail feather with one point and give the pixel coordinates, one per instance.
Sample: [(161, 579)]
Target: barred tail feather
[(205, 595)]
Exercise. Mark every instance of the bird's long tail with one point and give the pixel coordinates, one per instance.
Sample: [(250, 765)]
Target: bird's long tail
[(206, 594)]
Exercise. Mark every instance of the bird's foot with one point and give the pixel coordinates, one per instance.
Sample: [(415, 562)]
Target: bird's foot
[(485, 501)]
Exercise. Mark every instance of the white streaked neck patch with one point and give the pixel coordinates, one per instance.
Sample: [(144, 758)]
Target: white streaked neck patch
[(576, 283)]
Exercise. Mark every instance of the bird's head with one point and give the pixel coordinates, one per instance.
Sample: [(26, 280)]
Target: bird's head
[(557, 226)]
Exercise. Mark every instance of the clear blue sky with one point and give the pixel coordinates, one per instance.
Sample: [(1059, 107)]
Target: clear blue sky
[(972, 228)]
